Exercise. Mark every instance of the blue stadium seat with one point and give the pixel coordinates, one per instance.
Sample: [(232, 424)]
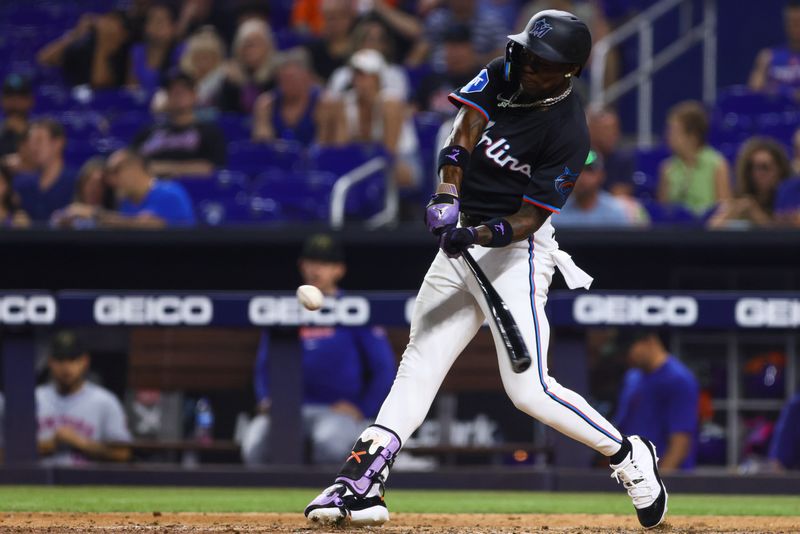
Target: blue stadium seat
[(253, 158), (645, 179), (669, 214), (367, 197), (301, 196), (427, 125), (125, 126), (739, 99), (788, 197), (234, 126), (222, 185)]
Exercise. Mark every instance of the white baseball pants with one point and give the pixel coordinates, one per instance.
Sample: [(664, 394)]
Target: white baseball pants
[(450, 309)]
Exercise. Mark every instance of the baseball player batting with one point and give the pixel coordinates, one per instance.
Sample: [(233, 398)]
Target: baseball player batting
[(517, 146)]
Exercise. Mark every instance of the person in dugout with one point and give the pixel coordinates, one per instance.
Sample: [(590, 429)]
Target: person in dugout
[(347, 371)]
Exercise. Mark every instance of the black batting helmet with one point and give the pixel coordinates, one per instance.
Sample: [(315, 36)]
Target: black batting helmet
[(553, 35)]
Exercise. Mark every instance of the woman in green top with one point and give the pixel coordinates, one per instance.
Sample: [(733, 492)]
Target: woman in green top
[(696, 176)]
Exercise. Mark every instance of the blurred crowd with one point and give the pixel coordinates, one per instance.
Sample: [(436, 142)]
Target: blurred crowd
[(119, 118)]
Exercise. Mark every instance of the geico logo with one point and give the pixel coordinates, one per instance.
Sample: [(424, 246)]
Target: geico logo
[(652, 310), (773, 313), (345, 311), (19, 309), (142, 310)]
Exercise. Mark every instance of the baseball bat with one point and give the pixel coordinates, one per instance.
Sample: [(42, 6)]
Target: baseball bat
[(506, 325)]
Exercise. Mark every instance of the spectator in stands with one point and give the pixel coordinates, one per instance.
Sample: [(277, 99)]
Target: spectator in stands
[(158, 51), (290, 111), (370, 33), (346, 370), (203, 59), (79, 422), (589, 205), (696, 177), (369, 114), (784, 450), (402, 22), (16, 102), (52, 184), (251, 70), (776, 69), (659, 399), (605, 134), (307, 17), (183, 145), (144, 202), (11, 214), (21, 162), (761, 167), (461, 64), (95, 52), (332, 49), (194, 15), (91, 189), (487, 28)]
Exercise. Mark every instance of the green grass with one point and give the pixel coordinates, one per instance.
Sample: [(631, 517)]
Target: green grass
[(143, 499)]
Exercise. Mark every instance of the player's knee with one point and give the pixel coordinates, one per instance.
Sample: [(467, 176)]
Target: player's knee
[(534, 402)]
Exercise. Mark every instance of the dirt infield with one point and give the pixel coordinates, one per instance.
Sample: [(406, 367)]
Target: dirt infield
[(400, 523)]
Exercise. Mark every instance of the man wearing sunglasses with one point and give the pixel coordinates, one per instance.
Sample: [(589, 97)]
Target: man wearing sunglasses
[(517, 146)]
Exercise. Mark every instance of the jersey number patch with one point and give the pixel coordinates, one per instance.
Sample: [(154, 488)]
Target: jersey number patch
[(478, 83)]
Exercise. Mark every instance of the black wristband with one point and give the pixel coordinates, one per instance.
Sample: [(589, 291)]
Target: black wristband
[(502, 233), (453, 155)]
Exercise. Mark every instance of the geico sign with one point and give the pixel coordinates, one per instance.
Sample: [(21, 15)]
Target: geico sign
[(772, 313), (345, 311), (19, 309), (650, 310), (144, 310)]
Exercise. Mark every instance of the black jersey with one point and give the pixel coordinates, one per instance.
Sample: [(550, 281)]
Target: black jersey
[(525, 154)]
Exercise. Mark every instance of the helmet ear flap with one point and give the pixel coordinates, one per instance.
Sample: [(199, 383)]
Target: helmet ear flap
[(512, 59)]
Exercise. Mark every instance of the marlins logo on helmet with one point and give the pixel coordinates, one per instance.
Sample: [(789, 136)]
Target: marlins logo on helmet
[(540, 28)]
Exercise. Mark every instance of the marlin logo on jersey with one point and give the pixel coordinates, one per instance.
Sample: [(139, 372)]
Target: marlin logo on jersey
[(497, 151), (541, 28), (565, 182)]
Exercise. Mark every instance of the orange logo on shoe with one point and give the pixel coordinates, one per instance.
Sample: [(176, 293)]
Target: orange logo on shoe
[(356, 456)]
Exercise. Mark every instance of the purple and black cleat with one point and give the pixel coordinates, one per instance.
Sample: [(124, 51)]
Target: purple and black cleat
[(356, 497)]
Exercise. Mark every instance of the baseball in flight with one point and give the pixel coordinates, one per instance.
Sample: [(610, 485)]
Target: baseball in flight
[(310, 297)]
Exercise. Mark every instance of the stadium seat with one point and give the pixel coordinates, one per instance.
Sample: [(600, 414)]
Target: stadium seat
[(365, 198), (669, 214), (234, 126), (788, 197), (427, 125), (300, 196), (253, 158), (223, 185), (739, 99)]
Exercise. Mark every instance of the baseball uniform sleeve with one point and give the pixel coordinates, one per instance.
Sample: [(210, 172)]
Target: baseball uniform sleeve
[(379, 359), (115, 425), (551, 183), (481, 93), (785, 445), (682, 409), (261, 376)]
